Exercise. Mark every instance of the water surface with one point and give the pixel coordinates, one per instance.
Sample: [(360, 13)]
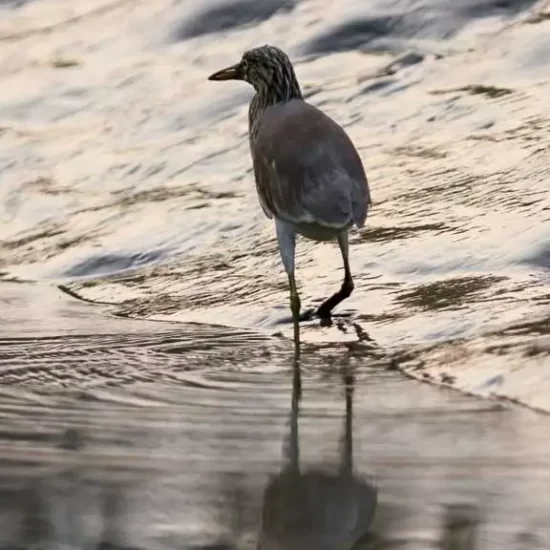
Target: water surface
[(147, 378)]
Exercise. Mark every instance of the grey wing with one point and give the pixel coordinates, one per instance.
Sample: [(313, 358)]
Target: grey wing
[(307, 169), (263, 176)]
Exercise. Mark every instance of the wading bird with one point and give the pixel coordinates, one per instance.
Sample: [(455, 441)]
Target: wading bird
[(309, 176)]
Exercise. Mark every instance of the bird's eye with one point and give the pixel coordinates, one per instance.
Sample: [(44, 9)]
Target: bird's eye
[(244, 64)]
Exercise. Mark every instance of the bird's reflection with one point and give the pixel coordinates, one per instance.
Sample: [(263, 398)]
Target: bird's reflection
[(71, 504), (313, 509)]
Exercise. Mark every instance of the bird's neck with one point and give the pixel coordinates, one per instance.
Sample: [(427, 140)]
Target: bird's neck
[(266, 97)]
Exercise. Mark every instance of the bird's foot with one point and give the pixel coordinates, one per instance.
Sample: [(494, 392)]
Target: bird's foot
[(324, 316), (307, 315), (325, 321), (310, 314)]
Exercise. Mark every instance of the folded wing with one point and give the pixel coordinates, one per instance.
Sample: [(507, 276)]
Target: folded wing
[(307, 169)]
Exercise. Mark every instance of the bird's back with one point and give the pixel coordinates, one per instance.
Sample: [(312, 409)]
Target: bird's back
[(307, 169)]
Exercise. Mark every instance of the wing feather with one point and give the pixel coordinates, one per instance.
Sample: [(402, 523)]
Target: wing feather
[(307, 169)]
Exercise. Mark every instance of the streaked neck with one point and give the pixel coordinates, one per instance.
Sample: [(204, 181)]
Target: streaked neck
[(277, 92)]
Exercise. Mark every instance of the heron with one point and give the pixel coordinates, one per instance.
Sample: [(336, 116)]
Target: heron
[(309, 176)]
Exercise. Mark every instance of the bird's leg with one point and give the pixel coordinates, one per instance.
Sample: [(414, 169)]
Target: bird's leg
[(325, 309), (286, 237)]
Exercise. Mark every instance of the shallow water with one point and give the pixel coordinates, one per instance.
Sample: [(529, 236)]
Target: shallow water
[(140, 434), (143, 299)]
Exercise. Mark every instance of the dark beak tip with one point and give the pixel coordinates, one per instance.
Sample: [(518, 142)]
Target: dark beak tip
[(215, 77), (230, 73)]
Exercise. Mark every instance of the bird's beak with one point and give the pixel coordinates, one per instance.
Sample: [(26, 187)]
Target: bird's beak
[(230, 73)]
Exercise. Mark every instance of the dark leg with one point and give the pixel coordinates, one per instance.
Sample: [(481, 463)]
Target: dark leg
[(345, 291), (286, 236)]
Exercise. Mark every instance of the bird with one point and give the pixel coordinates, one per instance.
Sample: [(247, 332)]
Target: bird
[(309, 176)]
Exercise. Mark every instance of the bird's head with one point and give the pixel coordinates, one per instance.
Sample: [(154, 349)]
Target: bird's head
[(265, 68)]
